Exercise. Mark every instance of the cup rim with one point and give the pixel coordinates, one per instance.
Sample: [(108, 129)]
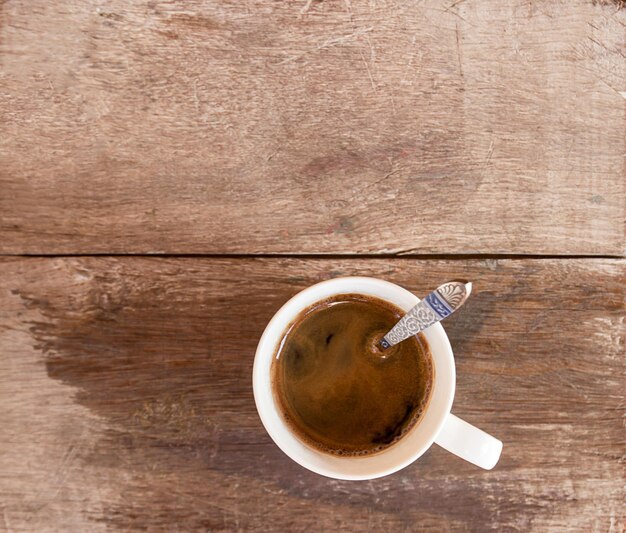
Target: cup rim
[(397, 456)]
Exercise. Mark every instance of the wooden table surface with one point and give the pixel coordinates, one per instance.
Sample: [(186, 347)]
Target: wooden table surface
[(171, 172)]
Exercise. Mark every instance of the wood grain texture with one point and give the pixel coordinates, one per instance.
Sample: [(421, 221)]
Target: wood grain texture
[(312, 127), (126, 398)]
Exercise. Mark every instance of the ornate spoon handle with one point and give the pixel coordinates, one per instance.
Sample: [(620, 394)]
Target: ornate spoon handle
[(439, 304)]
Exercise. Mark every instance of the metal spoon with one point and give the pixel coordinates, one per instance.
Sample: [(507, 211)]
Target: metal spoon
[(439, 304)]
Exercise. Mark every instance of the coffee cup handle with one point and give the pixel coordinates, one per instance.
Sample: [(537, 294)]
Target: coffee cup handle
[(469, 442)]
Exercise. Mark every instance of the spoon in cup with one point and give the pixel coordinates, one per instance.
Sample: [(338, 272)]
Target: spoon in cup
[(436, 306)]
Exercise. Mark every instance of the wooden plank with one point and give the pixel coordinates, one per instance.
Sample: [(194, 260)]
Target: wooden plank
[(312, 127), (126, 399)]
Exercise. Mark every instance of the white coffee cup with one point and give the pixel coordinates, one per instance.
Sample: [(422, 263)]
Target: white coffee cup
[(437, 424)]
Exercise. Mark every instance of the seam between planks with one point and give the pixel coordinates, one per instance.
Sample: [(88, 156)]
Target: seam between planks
[(314, 256)]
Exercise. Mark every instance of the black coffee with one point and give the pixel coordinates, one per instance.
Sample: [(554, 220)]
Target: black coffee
[(334, 388)]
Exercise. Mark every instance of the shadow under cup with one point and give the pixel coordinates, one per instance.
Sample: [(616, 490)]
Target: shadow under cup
[(412, 445)]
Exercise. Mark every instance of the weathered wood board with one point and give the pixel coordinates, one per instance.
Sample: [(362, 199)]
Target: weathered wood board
[(125, 386), (312, 127)]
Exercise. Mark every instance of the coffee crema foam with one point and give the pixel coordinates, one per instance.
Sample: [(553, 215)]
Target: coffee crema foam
[(337, 390)]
